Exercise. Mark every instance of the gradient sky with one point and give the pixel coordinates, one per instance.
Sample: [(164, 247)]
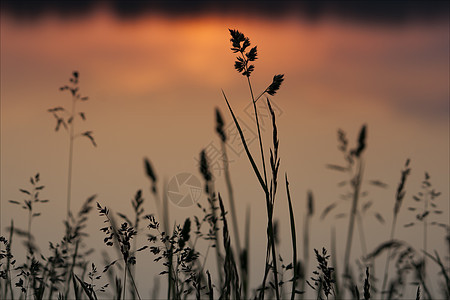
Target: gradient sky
[(154, 79)]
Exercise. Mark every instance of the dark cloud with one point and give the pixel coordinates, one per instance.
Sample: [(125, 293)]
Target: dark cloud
[(364, 11)]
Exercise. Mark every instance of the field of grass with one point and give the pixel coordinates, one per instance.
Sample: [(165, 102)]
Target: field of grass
[(206, 256)]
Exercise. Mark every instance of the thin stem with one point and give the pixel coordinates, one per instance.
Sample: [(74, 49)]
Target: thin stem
[(29, 258), (333, 257), (356, 183), (231, 196), (177, 292), (242, 268), (270, 241), (134, 284), (51, 281), (294, 240), (362, 237), (69, 174), (212, 197), (305, 252), (30, 212), (386, 266), (8, 264), (259, 130), (247, 249), (125, 280), (132, 268), (266, 272), (70, 273), (425, 236), (42, 284), (260, 95), (319, 291)]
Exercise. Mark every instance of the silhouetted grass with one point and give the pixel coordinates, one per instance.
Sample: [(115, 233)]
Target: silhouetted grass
[(68, 272), (67, 118)]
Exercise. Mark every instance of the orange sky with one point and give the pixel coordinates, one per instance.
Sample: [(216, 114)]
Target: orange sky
[(154, 83)]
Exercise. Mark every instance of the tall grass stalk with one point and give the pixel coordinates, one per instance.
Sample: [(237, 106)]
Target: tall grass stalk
[(212, 199), (425, 237), (231, 282), (445, 271), (294, 240), (356, 185), (70, 161), (137, 204), (242, 259), (226, 166), (362, 236), (121, 238), (354, 157), (243, 65), (400, 194), (70, 271), (334, 261), (307, 221), (67, 119), (270, 232)]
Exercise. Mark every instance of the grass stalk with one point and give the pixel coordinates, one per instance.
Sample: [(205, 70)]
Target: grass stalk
[(270, 238), (443, 269), (356, 185), (334, 260), (267, 194), (212, 200), (247, 151), (242, 64), (72, 266), (124, 284), (425, 236), (307, 221), (245, 256), (294, 239), (400, 194), (230, 270), (258, 129), (362, 236), (231, 198), (70, 160)]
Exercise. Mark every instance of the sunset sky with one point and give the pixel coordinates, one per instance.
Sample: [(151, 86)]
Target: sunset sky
[(154, 74)]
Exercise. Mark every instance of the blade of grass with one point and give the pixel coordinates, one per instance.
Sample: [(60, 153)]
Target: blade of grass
[(270, 242), (244, 254), (210, 288), (294, 239), (230, 269), (247, 151), (444, 271), (90, 293), (308, 216), (219, 128)]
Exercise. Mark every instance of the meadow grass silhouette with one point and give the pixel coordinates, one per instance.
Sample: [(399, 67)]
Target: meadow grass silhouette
[(69, 273)]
